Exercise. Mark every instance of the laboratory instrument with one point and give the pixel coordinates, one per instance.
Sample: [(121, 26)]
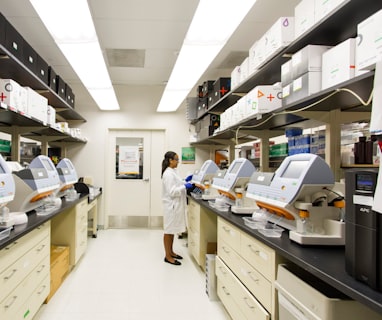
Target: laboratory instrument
[(300, 196), (232, 184), (203, 178), (363, 247), (7, 193), (68, 177), (34, 184)]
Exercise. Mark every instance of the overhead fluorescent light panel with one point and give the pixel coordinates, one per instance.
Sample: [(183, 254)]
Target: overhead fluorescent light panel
[(71, 25)]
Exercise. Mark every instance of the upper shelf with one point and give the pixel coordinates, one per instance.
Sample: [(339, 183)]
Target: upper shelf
[(35, 128), (333, 29), (12, 68)]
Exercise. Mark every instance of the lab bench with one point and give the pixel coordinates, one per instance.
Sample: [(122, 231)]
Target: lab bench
[(327, 263), (24, 255)]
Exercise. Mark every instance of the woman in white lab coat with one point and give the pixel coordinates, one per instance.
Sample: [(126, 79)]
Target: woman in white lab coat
[(174, 204)]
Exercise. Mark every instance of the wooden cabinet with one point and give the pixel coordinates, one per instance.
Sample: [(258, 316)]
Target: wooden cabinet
[(247, 268), (201, 231), (24, 274), (70, 228)]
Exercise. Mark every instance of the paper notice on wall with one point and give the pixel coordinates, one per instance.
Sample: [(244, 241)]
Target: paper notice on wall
[(376, 110), (128, 160)]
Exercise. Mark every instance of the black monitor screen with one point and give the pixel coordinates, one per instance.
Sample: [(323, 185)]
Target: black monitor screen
[(294, 169)]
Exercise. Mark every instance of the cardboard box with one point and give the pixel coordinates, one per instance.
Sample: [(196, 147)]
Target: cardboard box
[(280, 35), (51, 116), (306, 85), (220, 88), (303, 17), (13, 95), (265, 98), (308, 59), (14, 41), (366, 51), (244, 70), (338, 63), (37, 105), (59, 268), (42, 70), (235, 77), (323, 8), (286, 72)]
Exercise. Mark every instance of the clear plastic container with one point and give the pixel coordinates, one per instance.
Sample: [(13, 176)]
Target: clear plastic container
[(272, 231), (5, 232), (254, 224)]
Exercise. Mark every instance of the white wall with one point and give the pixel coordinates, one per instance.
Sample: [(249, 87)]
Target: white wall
[(138, 111)]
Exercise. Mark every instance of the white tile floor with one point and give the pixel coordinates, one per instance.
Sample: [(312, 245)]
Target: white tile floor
[(122, 276)]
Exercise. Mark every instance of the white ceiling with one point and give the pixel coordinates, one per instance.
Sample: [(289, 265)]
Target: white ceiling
[(155, 26)]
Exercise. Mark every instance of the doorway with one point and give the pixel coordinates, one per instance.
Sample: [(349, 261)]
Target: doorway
[(133, 181)]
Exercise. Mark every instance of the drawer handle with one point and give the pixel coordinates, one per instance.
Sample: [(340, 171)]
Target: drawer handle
[(11, 245), (226, 251), (222, 270), (41, 248), (14, 298), (42, 268), (248, 304), (226, 229), (257, 252), (42, 289), (11, 275), (226, 291), (253, 278)]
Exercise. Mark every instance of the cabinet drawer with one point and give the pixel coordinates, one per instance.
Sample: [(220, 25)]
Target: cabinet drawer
[(225, 293), (247, 303), (194, 245), (229, 233), (256, 283), (15, 273), (33, 304), (261, 257), (19, 247), (10, 306), (230, 257), (194, 221)]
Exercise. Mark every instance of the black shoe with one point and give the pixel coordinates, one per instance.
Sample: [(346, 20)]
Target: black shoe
[(176, 262), (177, 256)]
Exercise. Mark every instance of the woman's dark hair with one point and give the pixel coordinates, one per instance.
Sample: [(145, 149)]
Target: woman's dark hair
[(169, 155)]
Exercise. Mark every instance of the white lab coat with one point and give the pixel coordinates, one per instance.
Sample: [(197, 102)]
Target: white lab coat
[(174, 202)]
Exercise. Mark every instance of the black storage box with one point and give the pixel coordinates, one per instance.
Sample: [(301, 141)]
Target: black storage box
[(14, 41), (221, 87), (202, 106), (3, 21), (207, 87), (199, 91), (61, 87), (69, 95), (42, 70), (52, 79), (29, 57)]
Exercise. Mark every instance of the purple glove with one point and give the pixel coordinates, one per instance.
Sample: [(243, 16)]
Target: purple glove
[(188, 179), (188, 185)]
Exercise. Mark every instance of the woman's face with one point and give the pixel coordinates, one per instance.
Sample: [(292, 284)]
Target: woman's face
[(174, 162)]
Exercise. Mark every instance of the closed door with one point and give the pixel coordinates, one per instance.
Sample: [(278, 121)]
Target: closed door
[(133, 182)]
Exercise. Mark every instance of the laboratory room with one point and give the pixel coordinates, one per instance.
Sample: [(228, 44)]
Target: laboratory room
[(199, 159)]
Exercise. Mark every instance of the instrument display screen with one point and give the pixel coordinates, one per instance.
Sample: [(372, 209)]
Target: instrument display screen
[(364, 182)]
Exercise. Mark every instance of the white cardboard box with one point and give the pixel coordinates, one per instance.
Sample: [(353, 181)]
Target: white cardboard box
[(306, 85), (51, 116), (37, 105), (303, 17), (323, 8), (338, 63), (265, 98), (378, 34), (235, 77), (13, 95), (256, 54), (308, 59), (279, 36), (244, 70), (286, 72), (366, 52)]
